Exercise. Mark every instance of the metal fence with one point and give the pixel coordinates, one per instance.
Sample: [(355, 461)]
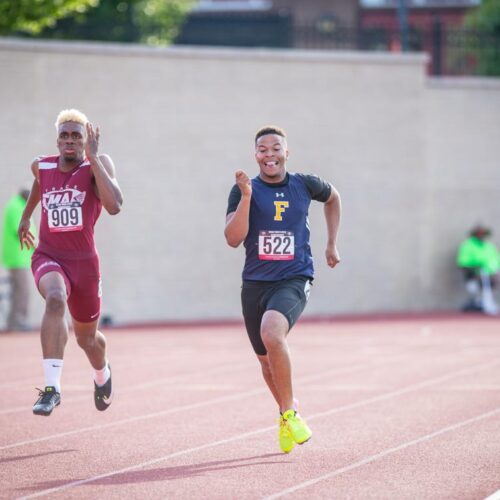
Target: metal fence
[(237, 30), (453, 51)]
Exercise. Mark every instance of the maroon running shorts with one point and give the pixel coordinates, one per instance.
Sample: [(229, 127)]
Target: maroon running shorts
[(82, 279)]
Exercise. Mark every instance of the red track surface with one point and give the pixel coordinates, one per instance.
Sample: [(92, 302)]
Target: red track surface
[(399, 410)]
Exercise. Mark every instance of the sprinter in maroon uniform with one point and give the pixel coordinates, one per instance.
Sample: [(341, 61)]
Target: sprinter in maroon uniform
[(72, 187)]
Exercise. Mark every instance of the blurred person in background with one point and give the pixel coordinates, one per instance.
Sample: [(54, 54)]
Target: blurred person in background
[(17, 261), (72, 187), (269, 214), (480, 261)]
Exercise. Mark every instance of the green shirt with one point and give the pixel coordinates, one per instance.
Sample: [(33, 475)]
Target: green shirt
[(479, 254), (12, 255)]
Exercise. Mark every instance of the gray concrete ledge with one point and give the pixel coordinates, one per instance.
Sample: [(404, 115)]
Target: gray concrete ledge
[(463, 82), (201, 52)]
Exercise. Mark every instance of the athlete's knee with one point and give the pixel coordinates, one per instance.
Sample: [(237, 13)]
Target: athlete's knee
[(272, 337), (273, 329), (86, 341), (55, 302)]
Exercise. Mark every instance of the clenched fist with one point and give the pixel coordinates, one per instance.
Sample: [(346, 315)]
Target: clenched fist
[(243, 182)]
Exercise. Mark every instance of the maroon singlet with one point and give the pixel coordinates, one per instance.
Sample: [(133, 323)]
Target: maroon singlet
[(70, 209)]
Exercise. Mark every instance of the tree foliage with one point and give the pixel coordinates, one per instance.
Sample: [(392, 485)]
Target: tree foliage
[(160, 20), (149, 21), (485, 43), (32, 16)]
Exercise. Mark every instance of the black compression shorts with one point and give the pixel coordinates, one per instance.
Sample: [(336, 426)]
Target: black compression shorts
[(289, 297)]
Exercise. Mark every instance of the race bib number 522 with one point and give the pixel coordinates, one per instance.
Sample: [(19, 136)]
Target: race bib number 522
[(276, 245)]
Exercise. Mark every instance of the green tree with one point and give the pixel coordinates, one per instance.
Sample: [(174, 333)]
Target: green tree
[(485, 41), (155, 22), (160, 20), (32, 16)]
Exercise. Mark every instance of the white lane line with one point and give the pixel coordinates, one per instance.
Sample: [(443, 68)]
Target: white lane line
[(472, 388), (146, 464), (410, 388), (130, 388), (162, 382), (84, 374), (18, 383), (383, 454), (221, 399)]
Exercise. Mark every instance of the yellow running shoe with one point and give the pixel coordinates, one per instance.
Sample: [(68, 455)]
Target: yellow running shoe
[(285, 437), (297, 425)]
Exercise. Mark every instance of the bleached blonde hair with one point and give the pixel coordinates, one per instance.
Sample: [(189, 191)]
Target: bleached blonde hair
[(71, 115)]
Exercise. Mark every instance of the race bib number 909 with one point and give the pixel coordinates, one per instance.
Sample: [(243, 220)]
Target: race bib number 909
[(65, 218), (276, 245)]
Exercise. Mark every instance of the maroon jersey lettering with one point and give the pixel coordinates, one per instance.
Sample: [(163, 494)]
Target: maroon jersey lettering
[(70, 209)]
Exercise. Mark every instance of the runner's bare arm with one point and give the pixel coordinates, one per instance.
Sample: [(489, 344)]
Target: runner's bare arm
[(236, 229), (107, 188), (103, 169), (333, 210), (26, 237)]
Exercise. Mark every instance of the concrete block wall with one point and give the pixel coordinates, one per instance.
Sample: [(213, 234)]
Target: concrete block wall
[(415, 160)]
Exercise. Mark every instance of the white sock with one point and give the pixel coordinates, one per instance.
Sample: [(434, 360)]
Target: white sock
[(102, 376), (53, 370), (472, 287)]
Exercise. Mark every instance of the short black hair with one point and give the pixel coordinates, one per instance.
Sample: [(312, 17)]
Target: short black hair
[(270, 129), (480, 231)]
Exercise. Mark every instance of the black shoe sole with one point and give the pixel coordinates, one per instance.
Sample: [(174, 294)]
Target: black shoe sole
[(304, 442), (102, 408), (44, 413)]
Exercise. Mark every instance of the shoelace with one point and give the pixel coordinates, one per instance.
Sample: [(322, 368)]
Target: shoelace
[(294, 418), (45, 397), (283, 423)]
